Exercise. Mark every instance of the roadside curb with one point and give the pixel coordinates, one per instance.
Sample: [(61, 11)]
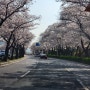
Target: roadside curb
[(3, 64)]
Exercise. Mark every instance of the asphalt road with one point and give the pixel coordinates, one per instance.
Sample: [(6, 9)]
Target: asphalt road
[(45, 74)]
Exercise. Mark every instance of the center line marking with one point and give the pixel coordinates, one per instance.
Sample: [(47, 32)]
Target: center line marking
[(25, 74)]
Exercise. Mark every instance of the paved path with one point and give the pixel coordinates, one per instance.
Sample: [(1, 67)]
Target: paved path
[(51, 74)]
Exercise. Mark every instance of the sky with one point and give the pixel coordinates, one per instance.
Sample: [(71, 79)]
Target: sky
[(49, 12)]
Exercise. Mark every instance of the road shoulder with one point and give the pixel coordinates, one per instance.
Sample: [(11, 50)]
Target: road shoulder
[(3, 64)]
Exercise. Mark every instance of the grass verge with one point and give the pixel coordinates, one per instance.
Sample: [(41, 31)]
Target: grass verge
[(85, 60)]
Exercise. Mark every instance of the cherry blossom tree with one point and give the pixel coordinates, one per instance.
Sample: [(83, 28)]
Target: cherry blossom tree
[(79, 2), (16, 24), (9, 8), (75, 14)]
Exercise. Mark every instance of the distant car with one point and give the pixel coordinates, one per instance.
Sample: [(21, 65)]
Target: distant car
[(2, 54), (37, 55), (43, 56)]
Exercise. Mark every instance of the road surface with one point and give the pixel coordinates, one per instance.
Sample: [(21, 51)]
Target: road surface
[(45, 74)]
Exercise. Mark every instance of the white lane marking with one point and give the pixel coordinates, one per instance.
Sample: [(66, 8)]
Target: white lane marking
[(27, 72), (24, 74), (84, 87), (82, 84)]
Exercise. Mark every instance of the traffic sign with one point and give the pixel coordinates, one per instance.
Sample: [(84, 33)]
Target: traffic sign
[(37, 44)]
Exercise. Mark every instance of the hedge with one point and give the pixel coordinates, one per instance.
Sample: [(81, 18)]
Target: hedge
[(85, 60)]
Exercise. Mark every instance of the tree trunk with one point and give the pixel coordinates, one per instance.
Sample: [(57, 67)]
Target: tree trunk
[(6, 53), (1, 22), (20, 51), (23, 49), (12, 52), (16, 50), (85, 49)]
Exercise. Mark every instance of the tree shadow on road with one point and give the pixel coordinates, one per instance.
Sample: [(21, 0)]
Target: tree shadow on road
[(47, 76)]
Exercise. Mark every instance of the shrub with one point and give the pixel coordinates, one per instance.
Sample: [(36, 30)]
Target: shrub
[(85, 60)]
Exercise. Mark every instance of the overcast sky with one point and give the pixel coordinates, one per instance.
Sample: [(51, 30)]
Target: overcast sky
[(49, 11)]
